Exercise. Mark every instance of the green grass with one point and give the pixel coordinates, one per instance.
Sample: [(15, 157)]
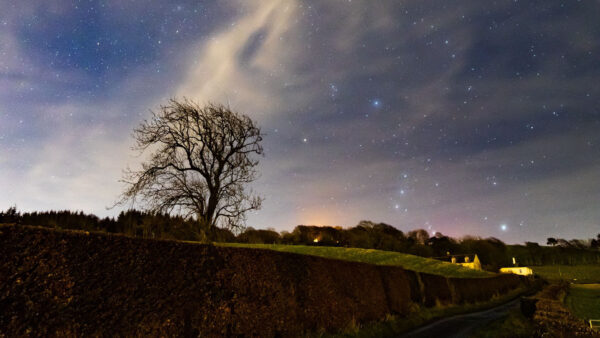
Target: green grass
[(378, 257), (572, 273), (584, 300)]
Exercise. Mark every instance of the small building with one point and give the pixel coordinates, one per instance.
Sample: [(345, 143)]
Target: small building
[(518, 270), (470, 261)]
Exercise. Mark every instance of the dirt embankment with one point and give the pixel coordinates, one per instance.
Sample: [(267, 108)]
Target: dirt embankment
[(73, 283)]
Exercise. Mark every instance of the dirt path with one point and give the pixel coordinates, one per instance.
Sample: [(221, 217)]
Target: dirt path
[(463, 325)]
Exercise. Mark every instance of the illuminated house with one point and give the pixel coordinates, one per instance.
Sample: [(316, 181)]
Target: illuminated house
[(522, 270), (470, 261)]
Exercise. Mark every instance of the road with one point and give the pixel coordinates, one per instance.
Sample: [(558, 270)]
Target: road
[(463, 325)]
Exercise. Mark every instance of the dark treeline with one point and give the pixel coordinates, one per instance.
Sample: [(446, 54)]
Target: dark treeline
[(131, 222), (492, 252)]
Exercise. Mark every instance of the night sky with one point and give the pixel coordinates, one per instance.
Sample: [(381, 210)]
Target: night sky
[(463, 117)]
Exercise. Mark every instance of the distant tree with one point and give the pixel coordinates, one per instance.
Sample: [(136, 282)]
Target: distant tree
[(594, 244), (387, 237), (388, 230), (359, 237), (251, 235), (366, 224), (552, 241), (442, 245), (221, 235), (532, 245), (202, 158), (578, 243), (420, 236), (11, 215)]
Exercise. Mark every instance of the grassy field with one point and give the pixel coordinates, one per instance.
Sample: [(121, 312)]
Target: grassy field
[(572, 273), (409, 262), (584, 300)]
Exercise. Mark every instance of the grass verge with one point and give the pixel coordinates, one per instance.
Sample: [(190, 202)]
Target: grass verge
[(571, 273), (584, 300), (371, 256)]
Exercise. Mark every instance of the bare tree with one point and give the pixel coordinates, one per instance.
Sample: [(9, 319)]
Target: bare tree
[(201, 160)]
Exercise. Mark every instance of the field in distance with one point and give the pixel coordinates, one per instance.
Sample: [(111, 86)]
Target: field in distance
[(584, 300), (571, 273), (371, 256)]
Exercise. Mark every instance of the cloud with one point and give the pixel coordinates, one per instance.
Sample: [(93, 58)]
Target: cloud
[(248, 63), (273, 57)]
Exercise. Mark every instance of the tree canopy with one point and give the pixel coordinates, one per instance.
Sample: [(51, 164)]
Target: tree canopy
[(201, 160)]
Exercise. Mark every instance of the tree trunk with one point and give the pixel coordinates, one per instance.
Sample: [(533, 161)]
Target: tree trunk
[(211, 209)]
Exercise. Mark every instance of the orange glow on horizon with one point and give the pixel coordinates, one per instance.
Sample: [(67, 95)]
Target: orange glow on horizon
[(320, 216)]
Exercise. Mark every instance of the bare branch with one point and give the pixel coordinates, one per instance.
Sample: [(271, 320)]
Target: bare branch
[(202, 158)]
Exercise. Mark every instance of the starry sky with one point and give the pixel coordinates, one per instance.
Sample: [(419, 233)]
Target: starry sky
[(463, 117)]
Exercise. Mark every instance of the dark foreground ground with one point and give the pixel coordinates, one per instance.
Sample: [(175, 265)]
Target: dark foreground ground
[(66, 283), (463, 325)]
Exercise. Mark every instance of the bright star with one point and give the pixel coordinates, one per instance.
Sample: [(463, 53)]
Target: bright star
[(503, 227)]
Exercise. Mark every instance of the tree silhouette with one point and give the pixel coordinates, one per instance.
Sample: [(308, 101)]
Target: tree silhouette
[(552, 241), (202, 158), (420, 236)]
